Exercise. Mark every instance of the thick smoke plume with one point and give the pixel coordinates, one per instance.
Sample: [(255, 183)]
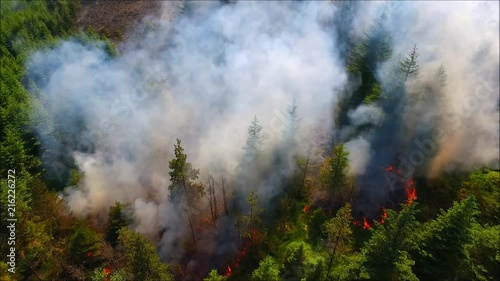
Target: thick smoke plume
[(446, 118), (203, 76)]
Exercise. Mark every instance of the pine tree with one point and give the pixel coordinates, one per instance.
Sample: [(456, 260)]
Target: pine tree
[(386, 253), (182, 176), (335, 172), (253, 216), (254, 140), (268, 270), (142, 261), (339, 234), (441, 241), (84, 246), (117, 220), (441, 75), (409, 66), (214, 276)]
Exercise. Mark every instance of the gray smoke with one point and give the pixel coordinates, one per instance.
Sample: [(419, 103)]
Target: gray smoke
[(203, 75), (201, 78)]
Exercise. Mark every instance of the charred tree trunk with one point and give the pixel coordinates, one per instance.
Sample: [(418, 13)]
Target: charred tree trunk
[(190, 224), (305, 167), (224, 196), (212, 199)]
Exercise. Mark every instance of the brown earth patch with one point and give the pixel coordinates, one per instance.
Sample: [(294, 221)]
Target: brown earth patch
[(115, 18)]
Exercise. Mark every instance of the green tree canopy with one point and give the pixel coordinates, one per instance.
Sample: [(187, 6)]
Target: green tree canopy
[(268, 270), (182, 176), (143, 263)]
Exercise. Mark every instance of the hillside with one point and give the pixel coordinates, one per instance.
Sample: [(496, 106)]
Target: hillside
[(248, 140)]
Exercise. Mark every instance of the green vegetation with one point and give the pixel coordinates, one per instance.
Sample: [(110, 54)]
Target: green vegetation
[(451, 233)]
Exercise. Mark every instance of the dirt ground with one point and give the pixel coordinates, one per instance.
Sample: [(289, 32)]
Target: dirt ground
[(116, 18)]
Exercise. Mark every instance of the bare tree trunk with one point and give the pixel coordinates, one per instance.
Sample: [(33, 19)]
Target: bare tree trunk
[(212, 200), (306, 166), (190, 225), (224, 196)]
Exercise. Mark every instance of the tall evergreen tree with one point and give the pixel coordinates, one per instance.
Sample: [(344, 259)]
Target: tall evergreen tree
[(117, 219), (441, 241), (409, 66), (268, 270), (339, 234), (143, 263), (386, 253), (335, 173), (254, 140), (182, 176)]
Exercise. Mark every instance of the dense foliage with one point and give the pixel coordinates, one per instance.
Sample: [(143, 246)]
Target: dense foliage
[(451, 233)]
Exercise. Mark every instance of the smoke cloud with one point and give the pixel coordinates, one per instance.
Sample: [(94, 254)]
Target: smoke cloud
[(203, 76)]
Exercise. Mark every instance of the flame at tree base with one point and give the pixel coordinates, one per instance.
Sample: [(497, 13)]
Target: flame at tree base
[(411, 192)]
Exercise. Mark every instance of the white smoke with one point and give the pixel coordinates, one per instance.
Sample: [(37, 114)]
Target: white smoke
[(201, 78)]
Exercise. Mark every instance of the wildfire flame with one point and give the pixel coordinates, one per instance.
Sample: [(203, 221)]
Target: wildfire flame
[(384, 216), (411, 192), (242, 253), (107, 271), (366, 225), (306, 209), (391, 168), (229, 272)]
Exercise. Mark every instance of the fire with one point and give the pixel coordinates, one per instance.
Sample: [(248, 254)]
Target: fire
[(306, 209), (390, 168), (107, 271), (229, 272), (411, 192), (384, 216), (366, 225)]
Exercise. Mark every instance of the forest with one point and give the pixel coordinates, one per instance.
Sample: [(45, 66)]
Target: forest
[(247, 140)]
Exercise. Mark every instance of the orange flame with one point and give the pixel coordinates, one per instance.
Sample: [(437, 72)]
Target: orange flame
[(229, 272), (411, 192), (306, 209), (366, 225), (107, 271), (384, 216), (391, 168)]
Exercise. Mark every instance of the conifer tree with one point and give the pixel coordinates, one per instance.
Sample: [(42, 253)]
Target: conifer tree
[(409, 66), (339, 234), (441, 241), (143, 263), (386, 253), (182, 176)]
